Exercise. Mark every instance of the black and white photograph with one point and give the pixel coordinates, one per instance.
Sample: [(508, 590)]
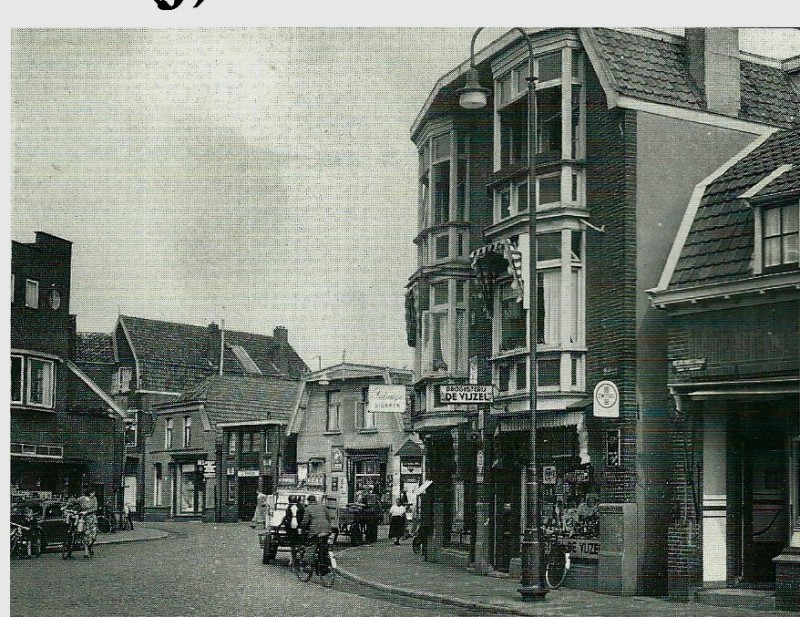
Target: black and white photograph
[(335, 317)]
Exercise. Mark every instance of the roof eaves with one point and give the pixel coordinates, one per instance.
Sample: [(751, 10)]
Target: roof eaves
[(691, 212), (96, 389), (607, 80), (754, 190)]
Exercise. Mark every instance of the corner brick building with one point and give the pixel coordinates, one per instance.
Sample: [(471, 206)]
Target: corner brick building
[(627, 124), (66, 432)]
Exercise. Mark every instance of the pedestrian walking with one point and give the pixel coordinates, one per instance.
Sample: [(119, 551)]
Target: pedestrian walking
[(127, 512), (397, 518), (260, 515)]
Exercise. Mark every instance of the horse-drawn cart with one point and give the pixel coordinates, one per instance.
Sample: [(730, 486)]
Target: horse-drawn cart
[(358, 522)]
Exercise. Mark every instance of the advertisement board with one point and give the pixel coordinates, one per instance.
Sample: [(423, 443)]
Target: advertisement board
[(461, 394), (384, 398)]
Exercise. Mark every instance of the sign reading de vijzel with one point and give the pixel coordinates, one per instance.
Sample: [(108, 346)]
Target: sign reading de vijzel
[(384, 398), (465, 394), (606, 400)]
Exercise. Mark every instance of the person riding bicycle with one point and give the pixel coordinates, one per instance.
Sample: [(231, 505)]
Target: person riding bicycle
[(88, 508), (317, 525)]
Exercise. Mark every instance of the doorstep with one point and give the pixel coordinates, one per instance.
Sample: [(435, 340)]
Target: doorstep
[(753, 599)]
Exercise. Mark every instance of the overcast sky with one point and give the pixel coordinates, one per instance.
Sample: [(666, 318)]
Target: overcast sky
[(261, 176)]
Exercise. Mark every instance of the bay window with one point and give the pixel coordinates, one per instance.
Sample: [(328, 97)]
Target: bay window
[(513, 319)]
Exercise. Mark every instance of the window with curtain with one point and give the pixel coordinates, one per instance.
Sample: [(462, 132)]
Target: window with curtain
[(333, 400)]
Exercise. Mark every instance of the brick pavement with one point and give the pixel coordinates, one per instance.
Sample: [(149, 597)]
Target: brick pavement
[(397, 569)]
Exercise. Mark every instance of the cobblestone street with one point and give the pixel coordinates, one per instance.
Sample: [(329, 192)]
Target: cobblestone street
[(200, 569)]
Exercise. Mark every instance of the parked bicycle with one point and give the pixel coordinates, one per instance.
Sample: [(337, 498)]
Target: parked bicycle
[(314, 557), (78, 535), (418, 536), (25, 541), (557, 558)]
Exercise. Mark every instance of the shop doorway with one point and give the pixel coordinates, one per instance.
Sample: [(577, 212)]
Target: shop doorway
[(248, 487), (761, 475)]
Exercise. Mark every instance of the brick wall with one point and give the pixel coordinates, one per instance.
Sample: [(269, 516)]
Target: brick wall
[(684, 535), (611, 281)]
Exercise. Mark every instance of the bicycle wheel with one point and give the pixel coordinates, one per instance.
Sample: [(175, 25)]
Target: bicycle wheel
[(327, 571), (556, 569), (416, 545), (306, 568), (66, 548)]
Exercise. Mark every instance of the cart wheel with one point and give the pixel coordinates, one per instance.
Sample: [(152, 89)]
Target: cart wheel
[(270, 550)]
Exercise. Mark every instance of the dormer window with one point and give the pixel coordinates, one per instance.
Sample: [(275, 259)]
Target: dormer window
[(781, 237)]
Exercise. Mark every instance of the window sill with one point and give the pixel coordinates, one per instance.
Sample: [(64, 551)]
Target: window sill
[(336, 432), (367, 430)]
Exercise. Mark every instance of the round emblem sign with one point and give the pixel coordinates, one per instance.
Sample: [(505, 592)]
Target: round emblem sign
[(606, 399)]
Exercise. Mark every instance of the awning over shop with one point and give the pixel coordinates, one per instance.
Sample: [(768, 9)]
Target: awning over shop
[(493, 260)]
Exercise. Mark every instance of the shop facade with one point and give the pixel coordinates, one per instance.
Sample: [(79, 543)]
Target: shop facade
[(734, 378), (214, 447), (342, 447)]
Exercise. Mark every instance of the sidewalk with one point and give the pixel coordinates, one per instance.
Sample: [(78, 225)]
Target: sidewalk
[(396, 569), (137, 534)]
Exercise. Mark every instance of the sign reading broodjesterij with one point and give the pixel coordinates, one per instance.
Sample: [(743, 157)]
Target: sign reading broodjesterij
[(387, 399), (465, 394)]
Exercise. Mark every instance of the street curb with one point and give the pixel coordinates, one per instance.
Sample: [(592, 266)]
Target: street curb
[(430, 597), (161, 535)]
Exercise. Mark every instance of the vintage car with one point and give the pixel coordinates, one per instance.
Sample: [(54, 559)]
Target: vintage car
[(275, 538), (51, 520)]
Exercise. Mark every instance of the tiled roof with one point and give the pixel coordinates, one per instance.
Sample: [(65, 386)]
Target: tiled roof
[(719, 245), (655, 70), (174, 356), (244, 398), (94, 347)]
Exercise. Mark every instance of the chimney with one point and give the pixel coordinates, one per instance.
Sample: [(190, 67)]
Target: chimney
[(213, 344), (712, 56), (281, 336)]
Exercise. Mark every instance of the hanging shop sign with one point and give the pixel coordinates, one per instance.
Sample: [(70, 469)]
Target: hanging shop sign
[(465, 394), (386, 399), (606, 400), (689, 364), (580, 547)]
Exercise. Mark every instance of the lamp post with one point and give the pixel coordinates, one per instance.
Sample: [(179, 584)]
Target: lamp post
[(474, 96)]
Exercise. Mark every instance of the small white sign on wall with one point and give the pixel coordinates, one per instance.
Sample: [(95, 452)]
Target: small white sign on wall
[(606, 400), (387, 399)]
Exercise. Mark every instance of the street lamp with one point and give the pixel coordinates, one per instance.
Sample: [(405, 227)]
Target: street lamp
[(474, 96)]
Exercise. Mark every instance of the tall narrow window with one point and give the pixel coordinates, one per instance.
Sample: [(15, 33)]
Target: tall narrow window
[(781, 236), (231, 443), (124, 376), (334, 399), (512, 320), (168, 433), (441, 179), (16, 379), (158, 484), (40, 382), (32, 293), (187, 431)]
